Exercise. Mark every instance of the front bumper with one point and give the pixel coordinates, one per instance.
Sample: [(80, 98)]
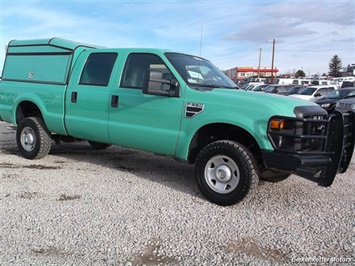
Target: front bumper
[(316, 149)]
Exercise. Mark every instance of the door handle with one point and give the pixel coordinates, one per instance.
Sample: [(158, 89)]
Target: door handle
[(114, 101), (74, 97)]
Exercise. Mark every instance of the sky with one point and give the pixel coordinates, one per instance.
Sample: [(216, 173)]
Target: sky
[(229, 33)]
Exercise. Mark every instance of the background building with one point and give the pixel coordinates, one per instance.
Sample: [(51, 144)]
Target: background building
[(241, 73)]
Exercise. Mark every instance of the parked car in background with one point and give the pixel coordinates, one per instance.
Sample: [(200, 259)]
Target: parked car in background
[(293, 89), (260, 87), (329, 101), (346, 84), (278, 89), (293, 81), (250, 85), (346, 104), (349, 78), (326, 83), (314, 92)]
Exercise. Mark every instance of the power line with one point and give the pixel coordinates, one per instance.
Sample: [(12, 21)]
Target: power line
[(325, 35), (314, 50)]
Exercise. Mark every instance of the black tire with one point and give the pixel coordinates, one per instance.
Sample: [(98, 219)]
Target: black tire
[(273, 175), (226, 172), (98, 145), (33, 139)]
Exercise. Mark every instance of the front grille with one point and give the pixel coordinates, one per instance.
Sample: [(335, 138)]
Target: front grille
[(303, 135), (345, 105)]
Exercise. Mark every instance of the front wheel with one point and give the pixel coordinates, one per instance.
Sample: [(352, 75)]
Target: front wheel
[(33, 139), (226, 172)]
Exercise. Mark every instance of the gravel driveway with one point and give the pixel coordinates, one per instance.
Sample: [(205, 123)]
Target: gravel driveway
[(79, 206)]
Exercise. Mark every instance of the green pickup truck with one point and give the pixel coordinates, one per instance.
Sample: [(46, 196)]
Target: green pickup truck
[(173, 104)]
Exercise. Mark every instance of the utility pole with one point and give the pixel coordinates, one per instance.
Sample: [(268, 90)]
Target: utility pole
[(272, 61), (259, 62)]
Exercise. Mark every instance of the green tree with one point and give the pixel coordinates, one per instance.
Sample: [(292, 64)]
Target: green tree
[(300, 74), (335, 66)]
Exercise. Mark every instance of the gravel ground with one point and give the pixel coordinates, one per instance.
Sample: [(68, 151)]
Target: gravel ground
[(78, 206)]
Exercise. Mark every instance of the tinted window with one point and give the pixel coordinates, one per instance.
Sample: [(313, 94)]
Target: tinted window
[(330, 90), (322, 92), (281, 89), (351, 94), (307, 91), (98, 68), (336, 94)]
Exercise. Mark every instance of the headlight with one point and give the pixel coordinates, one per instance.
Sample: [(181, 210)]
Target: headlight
[(279, 124), (326, 105)]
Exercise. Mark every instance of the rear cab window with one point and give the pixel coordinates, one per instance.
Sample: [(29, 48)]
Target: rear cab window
[(97, 69)]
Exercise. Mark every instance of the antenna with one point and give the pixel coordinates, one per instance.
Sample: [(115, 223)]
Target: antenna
[(201, 40)]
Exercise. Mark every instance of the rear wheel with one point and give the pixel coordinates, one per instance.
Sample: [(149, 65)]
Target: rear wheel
[(33, 139), (226, 172)]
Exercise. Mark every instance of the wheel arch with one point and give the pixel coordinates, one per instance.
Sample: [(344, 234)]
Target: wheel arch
[(222, 131), (25, 109)]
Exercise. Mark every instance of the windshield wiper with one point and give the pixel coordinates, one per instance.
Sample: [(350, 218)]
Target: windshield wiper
[(209, 86)]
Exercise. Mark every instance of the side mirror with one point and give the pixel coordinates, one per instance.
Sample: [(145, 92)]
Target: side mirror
[(155, 84), (317, 95)]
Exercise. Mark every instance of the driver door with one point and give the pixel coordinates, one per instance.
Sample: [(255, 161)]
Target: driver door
[(146, 122)]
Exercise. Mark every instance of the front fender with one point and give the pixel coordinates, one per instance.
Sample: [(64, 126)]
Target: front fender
[(190, 126)]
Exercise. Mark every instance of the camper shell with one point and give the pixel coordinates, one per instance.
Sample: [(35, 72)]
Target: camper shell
[(42, 61)]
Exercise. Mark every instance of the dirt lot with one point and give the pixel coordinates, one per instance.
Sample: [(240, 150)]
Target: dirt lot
[(78, 206)]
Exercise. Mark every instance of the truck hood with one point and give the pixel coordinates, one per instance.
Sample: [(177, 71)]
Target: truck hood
[(283, 105)]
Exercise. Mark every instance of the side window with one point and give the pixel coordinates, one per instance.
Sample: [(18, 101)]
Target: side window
[(282, 89), (98, 68), (136, 66), (322, 92), (331, 89)]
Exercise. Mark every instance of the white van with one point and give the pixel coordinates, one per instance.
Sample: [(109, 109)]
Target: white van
[(350, 78), (291, 81), (314, 93), (284, 81)]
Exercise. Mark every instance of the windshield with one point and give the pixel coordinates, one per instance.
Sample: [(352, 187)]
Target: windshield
[(337, 94), (198, 72), (269, 88), (351, 94), (307, 91)]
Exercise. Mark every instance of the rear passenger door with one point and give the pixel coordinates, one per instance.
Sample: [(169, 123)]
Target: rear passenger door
[(88, 97)]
